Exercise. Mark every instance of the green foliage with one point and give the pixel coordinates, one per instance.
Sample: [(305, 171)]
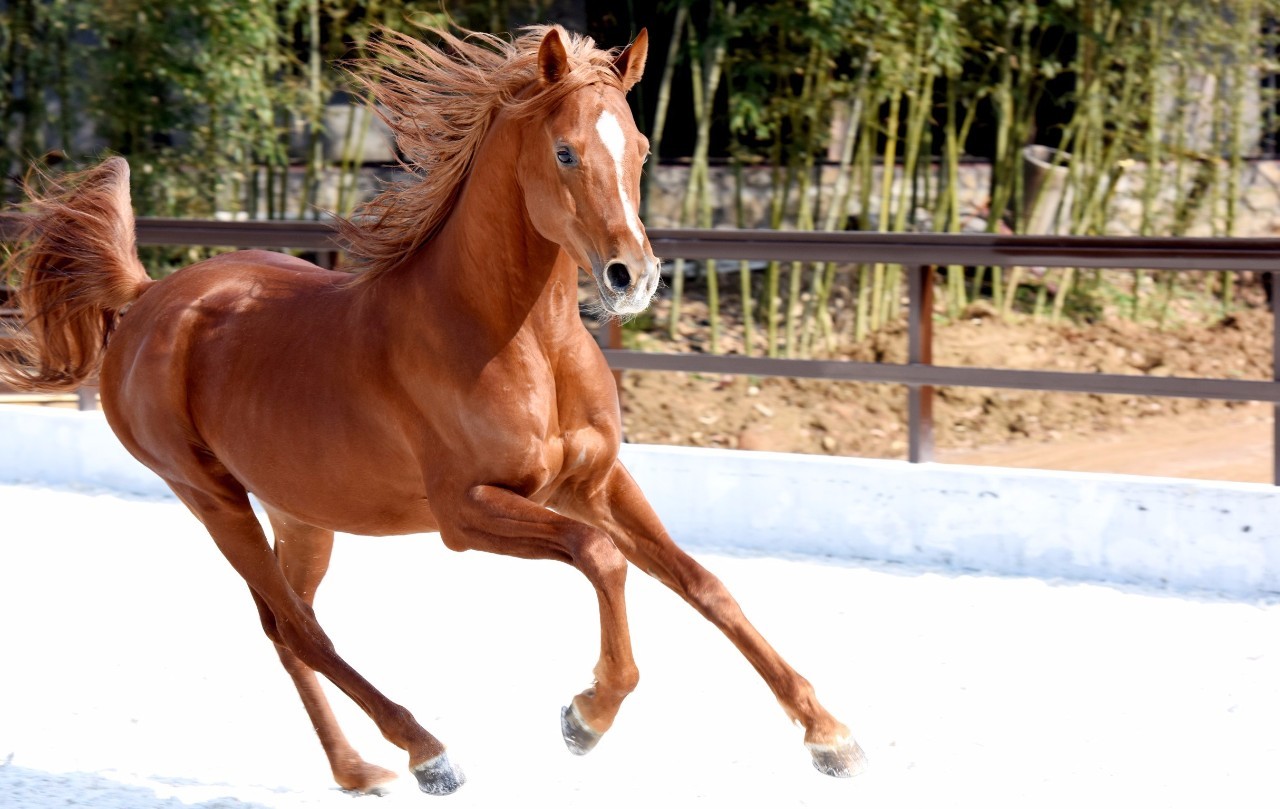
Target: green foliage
[(183, 100), (203, 97), (37, 82), (779, 49), (1159, 85), (220, 107)]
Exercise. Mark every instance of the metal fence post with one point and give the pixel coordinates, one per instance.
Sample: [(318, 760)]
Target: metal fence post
[(87, 396), (1273, 280), (920, 352)]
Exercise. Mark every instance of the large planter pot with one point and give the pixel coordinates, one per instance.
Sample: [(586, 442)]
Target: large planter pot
[(1046, 197)]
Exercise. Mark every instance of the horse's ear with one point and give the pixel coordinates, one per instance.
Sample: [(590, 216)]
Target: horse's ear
[(553, 62), (630, 63)]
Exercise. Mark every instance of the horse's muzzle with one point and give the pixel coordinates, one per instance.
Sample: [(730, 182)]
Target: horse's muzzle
[(623, 290)]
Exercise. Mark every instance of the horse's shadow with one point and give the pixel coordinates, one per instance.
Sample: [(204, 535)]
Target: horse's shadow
[(40, 789)]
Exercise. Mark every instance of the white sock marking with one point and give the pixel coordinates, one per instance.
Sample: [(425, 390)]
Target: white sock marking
[(615, 141)]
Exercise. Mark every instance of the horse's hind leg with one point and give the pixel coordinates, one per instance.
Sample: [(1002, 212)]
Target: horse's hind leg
[(223, 507), (303, 552)]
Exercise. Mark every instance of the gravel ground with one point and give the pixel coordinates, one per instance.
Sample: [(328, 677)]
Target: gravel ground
[(133, 674)]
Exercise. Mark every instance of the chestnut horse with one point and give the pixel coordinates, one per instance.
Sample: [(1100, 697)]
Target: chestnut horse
[(449, 386)]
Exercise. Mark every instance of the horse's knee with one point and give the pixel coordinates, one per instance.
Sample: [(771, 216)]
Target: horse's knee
[(600, 560)]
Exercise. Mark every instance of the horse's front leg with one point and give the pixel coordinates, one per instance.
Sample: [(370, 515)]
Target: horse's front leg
[(497, 520), (624, 513)]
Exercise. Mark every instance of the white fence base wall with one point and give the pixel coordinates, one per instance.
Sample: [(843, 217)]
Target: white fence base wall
[(1182, 534)]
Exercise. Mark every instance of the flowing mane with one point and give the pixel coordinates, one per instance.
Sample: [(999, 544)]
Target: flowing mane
[(439, 102)]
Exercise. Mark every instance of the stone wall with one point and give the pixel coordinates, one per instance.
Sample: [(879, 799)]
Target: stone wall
[(1257, 209)]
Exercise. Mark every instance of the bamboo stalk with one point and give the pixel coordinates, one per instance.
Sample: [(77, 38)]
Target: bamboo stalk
[(705, 71), (1244, 41), (783, 181), (825, 273), (689, 202), (713, 73), (780, 184), (664, 99), (918, 116), (803, 128), (957, 301), (347, 179), (879, 276), (744, 266), (307, 199), (866, 177), (740, 221)]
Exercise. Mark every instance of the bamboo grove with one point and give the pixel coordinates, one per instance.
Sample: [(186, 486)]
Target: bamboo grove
[(857, 113), (865, 115)]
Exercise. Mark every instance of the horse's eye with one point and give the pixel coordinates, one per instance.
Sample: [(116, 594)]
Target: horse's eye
[(565, 155)]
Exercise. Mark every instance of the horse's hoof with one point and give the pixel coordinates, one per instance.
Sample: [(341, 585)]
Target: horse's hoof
[(366, 779), (844, 759), (439, 776), (579, 738)]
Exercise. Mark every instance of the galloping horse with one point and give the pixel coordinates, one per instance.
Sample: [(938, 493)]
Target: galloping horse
[(449, 386)]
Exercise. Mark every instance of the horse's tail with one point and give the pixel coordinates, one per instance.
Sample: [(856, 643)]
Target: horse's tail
[(75, 270)]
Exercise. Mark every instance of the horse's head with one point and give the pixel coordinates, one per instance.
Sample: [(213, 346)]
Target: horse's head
[(580, 170)]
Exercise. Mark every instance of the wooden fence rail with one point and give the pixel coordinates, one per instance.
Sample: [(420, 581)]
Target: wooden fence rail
[(918, 253)]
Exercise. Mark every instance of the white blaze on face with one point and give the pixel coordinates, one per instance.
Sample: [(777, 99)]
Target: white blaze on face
[(615, 141)]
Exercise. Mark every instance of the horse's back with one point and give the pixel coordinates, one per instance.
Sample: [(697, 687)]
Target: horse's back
[(233, 282), (206, 311)]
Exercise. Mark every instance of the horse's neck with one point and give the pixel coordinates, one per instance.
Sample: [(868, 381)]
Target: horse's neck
[(488, 263)]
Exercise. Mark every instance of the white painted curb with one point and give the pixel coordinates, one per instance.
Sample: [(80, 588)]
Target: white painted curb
[(1182, 534)]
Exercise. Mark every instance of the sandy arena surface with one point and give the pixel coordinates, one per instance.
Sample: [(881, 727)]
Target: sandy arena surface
[(133, 674)]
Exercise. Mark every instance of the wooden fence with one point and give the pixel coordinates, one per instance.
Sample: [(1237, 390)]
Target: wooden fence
[(919, 254)]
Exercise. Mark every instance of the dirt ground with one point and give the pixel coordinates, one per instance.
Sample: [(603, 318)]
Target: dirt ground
[(1124, 434)]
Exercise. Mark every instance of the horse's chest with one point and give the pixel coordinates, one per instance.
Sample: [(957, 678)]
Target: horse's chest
[(537, 430), (541, 456), (551, 462), (585, 451)]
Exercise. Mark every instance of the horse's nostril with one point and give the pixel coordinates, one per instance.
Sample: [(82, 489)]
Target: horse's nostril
[(617, 277)]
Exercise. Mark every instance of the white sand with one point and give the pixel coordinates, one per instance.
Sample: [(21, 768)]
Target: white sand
[(133, 674)]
